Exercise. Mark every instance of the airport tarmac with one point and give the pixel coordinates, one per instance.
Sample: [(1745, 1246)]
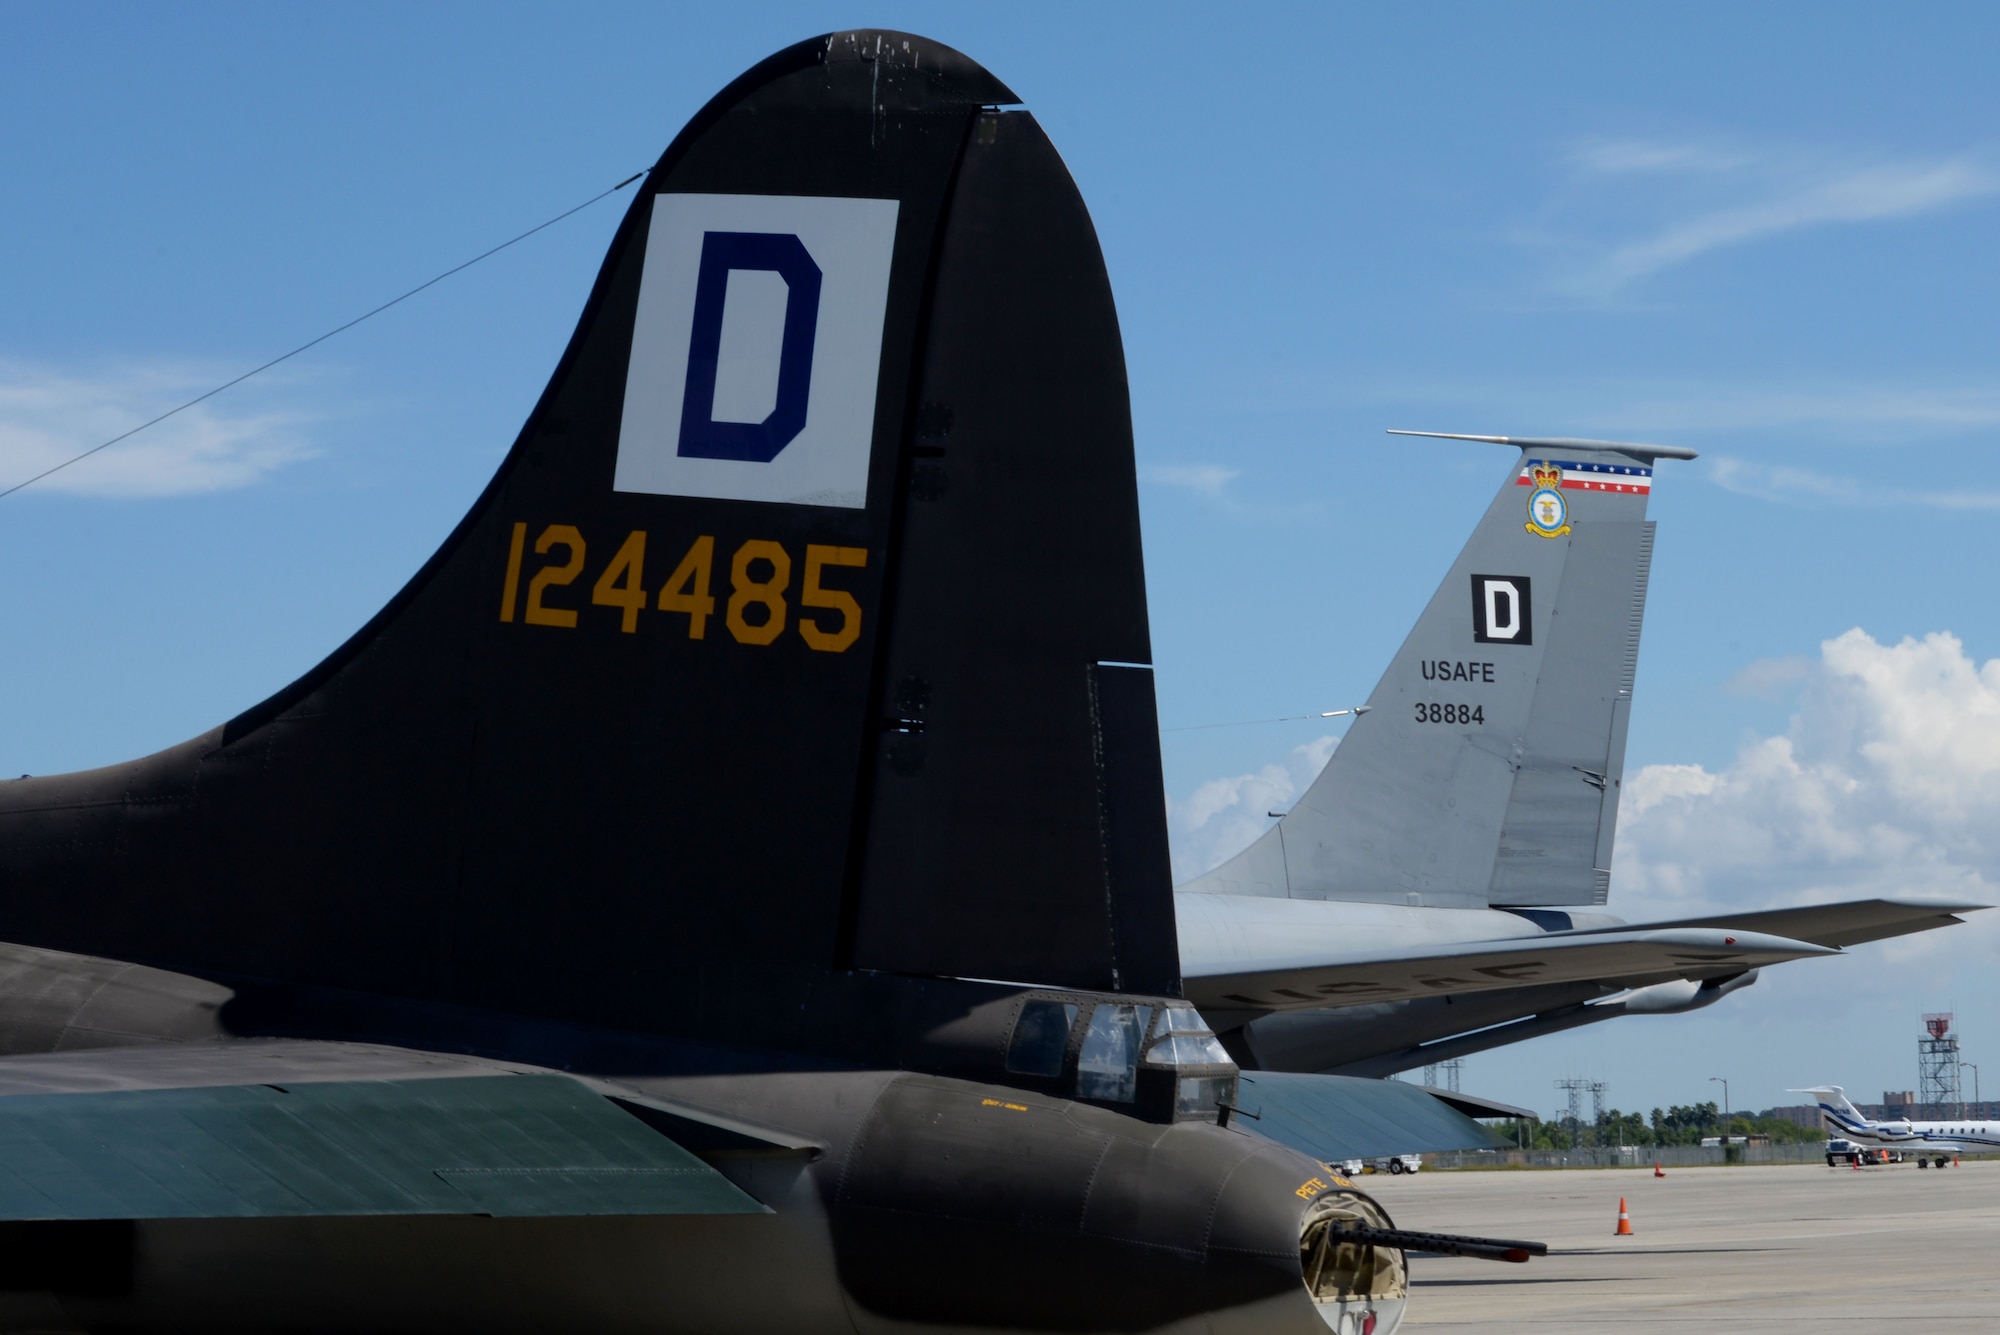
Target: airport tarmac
[(1785, 1247)]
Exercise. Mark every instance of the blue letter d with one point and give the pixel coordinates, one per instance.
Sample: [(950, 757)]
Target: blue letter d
[(702, 437)]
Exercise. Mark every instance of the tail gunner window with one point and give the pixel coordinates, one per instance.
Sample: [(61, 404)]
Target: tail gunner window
[(1164, 1060), (1204, 1075)]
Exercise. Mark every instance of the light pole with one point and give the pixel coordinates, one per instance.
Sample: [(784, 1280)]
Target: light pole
[(1974, 1068), (1718, 1080)]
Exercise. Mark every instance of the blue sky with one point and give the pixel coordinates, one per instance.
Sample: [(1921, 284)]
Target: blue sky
[(1762, 234)]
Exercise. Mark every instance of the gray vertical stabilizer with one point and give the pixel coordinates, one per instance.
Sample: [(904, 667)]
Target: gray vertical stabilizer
[(1486, 770)]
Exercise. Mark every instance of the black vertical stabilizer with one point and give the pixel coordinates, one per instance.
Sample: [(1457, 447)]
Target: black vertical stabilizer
[(1019, 572), (740, 669)]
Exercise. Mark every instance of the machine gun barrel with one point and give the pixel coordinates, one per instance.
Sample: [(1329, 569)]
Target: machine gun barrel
[(1443, 1244)]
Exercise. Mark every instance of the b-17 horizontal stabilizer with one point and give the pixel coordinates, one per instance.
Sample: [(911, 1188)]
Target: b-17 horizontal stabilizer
[(510, 1145), (1335, 1117)]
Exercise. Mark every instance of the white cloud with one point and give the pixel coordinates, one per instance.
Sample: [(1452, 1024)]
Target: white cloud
[(1862, 196), (1704, 197), (47, 416), (1202, 479), (1804, 485), (1769, 678), (1782, 482), (1644, 155), (1887, 782), (1223, 816), (1869, 407)]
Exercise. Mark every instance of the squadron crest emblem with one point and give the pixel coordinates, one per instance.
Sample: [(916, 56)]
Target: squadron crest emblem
[(1548, 512)]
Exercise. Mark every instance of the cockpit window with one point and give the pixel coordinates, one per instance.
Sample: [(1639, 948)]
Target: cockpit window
[(1188, 1050), (1181, 1020), (1183, 1039), (1108, 1066), (1041, 1037)]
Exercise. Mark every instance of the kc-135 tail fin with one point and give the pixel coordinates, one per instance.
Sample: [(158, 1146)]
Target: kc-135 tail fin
[(802, 628), (1486, 769)]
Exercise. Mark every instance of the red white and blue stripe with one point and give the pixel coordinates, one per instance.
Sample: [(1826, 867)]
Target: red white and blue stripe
[(1628, 478)]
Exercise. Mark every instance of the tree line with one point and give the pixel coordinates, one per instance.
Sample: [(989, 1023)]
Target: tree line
[(1682, 1124)]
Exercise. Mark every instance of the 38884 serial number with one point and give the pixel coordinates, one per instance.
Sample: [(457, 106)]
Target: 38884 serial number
[(1436, 712)]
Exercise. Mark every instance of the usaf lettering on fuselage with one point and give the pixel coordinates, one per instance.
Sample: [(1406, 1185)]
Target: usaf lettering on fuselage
[(1447, 669)]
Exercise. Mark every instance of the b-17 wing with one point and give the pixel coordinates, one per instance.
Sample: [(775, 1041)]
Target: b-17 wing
[(1273, 959)]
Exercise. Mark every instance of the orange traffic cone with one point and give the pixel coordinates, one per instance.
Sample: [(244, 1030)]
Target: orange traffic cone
[(1624, 1221), (1856, 1161), (1954, 1161), (1656, 1169)]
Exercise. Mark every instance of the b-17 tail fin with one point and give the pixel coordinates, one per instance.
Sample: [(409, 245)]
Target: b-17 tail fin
[(802, 630), (1486, 769)]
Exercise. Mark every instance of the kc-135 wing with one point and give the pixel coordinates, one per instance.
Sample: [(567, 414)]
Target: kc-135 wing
[(1273, 960), (1842, 925)]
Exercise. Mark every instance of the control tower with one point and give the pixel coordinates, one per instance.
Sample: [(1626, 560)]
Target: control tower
[(1937, 1067)]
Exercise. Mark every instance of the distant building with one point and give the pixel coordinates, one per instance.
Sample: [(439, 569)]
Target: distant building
[(1798, 1114)]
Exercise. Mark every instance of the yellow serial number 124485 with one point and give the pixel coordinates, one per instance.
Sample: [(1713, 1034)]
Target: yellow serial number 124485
[(760, 573)]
